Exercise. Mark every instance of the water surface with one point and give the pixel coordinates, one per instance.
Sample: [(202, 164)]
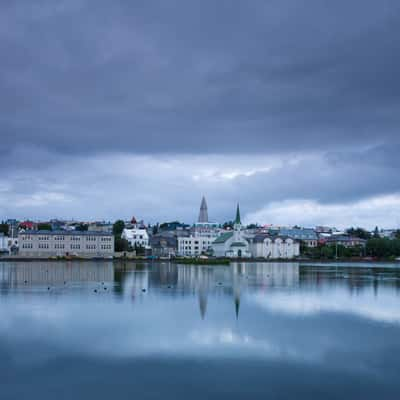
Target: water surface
[(86, 330)]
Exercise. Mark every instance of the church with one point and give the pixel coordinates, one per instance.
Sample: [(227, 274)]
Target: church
[(232, 244)]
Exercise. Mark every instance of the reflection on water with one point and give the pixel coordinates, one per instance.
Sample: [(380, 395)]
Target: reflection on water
[(288, 329)]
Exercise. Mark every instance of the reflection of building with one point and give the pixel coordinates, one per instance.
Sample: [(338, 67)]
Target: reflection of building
[(267, 246), (232, 244), (54, 273)]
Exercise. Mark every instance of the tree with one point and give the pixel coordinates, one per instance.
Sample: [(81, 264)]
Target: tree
[(4, 228), (155, 229), (82, 227), (44, 226), (121, 244), (359, 233), (228, 224), (118, 227), (376, 232), (252, 226)]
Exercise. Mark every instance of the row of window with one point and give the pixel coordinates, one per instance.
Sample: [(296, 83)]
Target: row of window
[(72, 238), (60, 246)]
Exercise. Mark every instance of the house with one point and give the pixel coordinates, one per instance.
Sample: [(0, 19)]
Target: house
[(232, 244), (137, 237), (164, 245), (274, 247)]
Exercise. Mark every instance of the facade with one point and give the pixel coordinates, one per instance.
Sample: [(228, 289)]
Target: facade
[(136, 237), (274, 247), (232, 244), (65, 243)]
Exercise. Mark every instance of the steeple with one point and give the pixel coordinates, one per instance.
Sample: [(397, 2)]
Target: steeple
[(237, 220), (203, 215)]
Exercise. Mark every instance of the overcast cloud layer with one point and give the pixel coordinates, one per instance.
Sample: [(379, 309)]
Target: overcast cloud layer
[(114, 108)]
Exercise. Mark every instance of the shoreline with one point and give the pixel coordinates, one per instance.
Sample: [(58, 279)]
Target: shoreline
[(194, 261)]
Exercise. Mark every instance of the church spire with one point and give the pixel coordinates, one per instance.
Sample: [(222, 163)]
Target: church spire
[(203, 215), (237, 220)]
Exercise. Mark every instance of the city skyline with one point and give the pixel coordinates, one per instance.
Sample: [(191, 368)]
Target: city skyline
[(290, 110)]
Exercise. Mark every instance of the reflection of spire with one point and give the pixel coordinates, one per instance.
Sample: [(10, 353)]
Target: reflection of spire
[(202, 303), (203, 215), (237, 304)]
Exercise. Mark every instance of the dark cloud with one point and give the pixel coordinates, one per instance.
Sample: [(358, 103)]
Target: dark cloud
[(179, 77)]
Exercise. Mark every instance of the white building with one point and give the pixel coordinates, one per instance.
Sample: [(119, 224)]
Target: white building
[(274, 247), (232, 244), (194, 245), (136, 236)]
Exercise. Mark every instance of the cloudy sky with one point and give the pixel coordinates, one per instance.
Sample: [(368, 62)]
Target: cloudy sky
[(118, 108)]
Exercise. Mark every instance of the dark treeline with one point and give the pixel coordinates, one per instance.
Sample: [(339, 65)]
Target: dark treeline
[(381, 248)]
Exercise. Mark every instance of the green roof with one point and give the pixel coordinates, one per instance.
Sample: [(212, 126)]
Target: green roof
[(223, 238), (238, 244)]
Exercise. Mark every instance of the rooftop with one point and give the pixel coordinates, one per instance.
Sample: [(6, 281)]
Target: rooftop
[(66, 233)]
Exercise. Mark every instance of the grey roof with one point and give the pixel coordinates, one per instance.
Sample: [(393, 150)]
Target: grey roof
[(301, 234), (66, 233)]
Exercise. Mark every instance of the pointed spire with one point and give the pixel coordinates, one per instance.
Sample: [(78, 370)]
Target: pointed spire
[(237, 220), (203, 215)]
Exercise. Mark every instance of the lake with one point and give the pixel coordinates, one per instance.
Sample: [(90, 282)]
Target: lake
[(83, 330)]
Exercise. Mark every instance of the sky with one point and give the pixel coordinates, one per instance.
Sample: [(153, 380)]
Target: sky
[(110, 109)]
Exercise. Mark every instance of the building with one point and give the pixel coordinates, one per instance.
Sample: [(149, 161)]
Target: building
[(164, 245), (100, 226), (274, 247), (194, 245), (65, 243), (137, 237), (306, 235), (232, 244)]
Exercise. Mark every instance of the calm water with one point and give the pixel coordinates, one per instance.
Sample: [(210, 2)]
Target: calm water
[(251, 330)]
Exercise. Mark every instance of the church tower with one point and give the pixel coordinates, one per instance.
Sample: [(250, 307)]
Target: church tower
[(203, 215)]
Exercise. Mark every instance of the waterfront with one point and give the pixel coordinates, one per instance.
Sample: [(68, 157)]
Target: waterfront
[(249, 330)]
